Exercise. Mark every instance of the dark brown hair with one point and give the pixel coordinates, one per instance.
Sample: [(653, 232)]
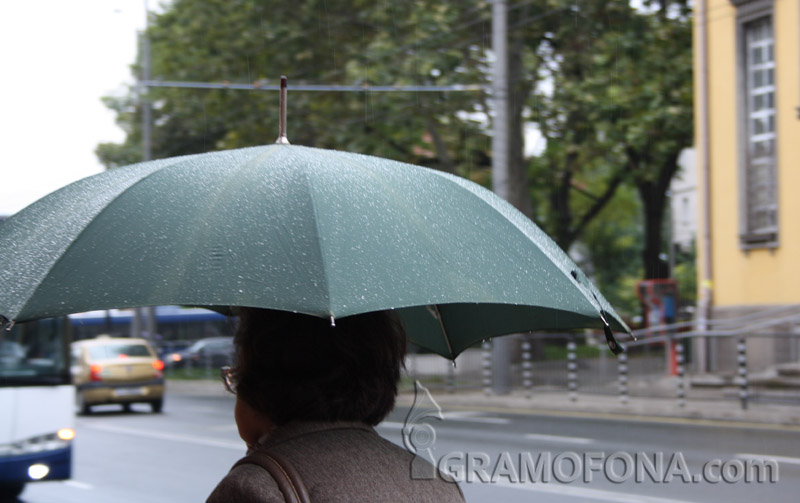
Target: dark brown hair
[(298, 367)]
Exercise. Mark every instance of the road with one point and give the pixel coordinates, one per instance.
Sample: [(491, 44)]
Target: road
[(180, 455)]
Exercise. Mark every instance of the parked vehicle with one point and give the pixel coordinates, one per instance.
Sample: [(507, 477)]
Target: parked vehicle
[(123, 370), (210, 352)]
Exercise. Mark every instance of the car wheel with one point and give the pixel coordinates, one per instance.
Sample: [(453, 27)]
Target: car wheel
[(84, 409), (9, 492), (157, 405)]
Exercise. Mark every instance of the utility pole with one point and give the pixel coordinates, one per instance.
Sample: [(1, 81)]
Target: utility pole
[(501, 346), (145, 317)]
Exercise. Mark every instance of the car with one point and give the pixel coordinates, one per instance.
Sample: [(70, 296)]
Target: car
[(211, 352), (116, 370)]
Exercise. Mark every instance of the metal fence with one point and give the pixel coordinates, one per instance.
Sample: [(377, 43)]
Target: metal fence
[(750, 359)]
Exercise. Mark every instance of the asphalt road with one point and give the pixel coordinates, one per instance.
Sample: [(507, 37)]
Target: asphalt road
[(181, 454)]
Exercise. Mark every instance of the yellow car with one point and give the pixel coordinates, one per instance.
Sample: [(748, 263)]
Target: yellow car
[(122, 370)]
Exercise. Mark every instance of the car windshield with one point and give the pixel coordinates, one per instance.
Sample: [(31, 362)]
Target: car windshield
[(33, 353), (121, 350), (197, 346)]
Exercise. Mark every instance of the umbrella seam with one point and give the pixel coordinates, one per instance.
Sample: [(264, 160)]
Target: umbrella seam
[(460, 182), (546, 252), (444, 332), (318, 238)]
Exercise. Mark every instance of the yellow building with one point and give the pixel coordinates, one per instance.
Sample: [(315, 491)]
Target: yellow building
[(747, 100)]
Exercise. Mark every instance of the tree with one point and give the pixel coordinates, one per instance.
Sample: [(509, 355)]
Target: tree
[(619, 112), (661, 124), (321, 42), (578, 113)]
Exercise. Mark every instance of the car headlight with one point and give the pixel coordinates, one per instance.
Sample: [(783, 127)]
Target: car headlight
[(42, 443)]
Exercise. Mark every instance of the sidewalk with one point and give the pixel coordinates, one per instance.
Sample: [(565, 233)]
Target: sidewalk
[(586, 405), (609, 406)]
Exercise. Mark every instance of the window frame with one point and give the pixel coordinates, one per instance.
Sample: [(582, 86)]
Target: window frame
[(748, 11)]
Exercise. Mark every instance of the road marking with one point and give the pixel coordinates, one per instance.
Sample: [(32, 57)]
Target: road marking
[(189, 439), (473, 416), (465, 415), (393, 425), (223, 427), (558, 438), (584, 492), (78, 484), (766, 457)]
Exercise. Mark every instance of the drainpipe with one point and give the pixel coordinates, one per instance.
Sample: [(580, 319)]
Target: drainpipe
[(706, 288)]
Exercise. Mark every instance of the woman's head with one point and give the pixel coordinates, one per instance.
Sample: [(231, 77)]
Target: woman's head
[(299, 367)]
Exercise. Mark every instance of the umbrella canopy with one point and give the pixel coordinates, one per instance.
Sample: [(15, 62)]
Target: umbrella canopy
[(321, 232)]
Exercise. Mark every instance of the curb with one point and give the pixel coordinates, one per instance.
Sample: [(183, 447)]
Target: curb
[(717, 413)]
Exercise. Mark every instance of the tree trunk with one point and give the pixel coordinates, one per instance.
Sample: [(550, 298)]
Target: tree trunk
[(653, 195), (653, 213)]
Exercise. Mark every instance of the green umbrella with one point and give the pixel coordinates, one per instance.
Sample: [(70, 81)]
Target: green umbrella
[(321, 232)]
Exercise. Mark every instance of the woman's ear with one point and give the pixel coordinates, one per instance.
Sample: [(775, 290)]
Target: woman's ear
[(252, 424)]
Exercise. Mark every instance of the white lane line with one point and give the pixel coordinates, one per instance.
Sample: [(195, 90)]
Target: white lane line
[(585, 492), (78, 484), (558, 438), (466, 416), (222, 427), (392, 425), (167, 436), (473, 417), (767, 457)]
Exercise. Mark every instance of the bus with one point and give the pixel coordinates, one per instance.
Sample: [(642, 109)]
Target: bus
[(37, 405), (176, 327)]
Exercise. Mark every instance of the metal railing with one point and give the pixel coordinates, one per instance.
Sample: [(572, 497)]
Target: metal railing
[(753, 359)]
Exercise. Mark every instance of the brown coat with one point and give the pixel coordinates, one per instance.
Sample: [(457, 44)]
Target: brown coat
[(338, 462)]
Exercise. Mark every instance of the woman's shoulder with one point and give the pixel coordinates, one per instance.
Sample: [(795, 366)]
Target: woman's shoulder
[(246, 483)]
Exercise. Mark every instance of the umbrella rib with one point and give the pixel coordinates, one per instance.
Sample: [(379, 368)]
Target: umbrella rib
[(531, 233), (319, 245), (444, 331)]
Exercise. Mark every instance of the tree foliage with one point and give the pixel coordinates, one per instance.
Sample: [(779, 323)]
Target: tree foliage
[(318, 42), (618, 112)]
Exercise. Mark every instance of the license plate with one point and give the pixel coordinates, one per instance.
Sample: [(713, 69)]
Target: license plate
[(128, 391)]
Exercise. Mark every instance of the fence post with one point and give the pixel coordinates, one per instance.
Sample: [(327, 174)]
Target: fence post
[(742, 358), (681, 374), (622, 360), (572, 368), (527, 367), (487, 367)]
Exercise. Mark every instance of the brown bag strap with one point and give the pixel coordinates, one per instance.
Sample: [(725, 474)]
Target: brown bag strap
[(280, 469)]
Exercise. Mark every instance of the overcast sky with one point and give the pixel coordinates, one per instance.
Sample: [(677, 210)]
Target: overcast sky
[(57, 59)]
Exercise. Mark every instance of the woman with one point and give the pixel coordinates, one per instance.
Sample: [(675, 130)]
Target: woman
[(308, 394)]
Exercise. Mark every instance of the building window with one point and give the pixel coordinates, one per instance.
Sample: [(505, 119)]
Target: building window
[(758, 180), (762, 203)]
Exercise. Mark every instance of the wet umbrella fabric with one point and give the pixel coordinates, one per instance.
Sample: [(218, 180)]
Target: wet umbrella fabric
[(327, 233)]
